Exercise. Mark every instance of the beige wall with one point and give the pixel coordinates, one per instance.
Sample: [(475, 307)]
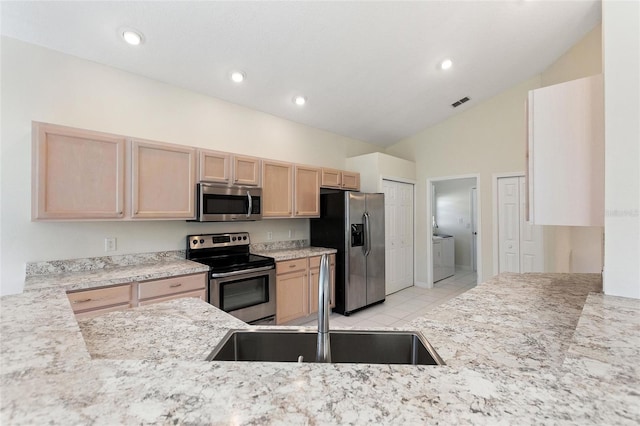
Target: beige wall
[(490, 138), (44, 85)]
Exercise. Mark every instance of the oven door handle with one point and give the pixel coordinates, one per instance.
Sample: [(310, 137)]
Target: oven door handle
[(244, 271)]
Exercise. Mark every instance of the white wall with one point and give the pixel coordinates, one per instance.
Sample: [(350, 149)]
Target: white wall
[(44, 85), (453, 215), (621, 38)]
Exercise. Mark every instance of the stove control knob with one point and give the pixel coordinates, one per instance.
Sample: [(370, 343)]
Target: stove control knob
[(201, 241), (233, 238), (195, 242), (244, 238)]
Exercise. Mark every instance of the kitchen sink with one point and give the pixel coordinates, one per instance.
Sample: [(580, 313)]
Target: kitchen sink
[(347, 346)]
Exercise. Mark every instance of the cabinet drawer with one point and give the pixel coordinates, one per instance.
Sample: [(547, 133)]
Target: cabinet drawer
[(314, 262), (170, 286), (294, 265), (93, 299), (200, 294)]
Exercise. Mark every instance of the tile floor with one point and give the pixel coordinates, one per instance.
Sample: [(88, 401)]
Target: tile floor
[(401, 307)]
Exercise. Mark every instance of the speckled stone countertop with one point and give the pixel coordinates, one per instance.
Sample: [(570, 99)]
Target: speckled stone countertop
[(520, 349), (79, 274), (294, 253)]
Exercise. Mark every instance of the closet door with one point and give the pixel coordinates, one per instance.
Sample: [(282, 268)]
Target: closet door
[(520, 243), (398, 206)]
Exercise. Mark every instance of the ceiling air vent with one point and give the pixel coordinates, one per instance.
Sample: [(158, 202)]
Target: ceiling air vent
[(460, 102)]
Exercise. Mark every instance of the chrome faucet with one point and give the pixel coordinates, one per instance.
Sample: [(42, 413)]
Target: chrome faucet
[(323, 350)]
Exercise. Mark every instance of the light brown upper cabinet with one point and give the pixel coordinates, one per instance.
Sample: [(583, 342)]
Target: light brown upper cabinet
[(565, 169), (246, 171), (340, 179), (277, 189), (307, 191), (351, 181), (214, 166), (77, 174), (163, 180)]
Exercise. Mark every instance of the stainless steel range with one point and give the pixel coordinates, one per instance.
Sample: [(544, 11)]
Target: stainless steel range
[(240, 283)]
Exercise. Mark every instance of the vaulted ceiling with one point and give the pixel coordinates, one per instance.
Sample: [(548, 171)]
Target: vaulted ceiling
[(368, 70)]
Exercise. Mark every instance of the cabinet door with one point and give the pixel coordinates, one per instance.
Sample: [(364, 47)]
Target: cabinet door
[(77, 174), (277, 189), (331, 178), (292, 296), (307, 192), (351, 180), (163, 181), (246, 171), (214, 166), (566, 153)]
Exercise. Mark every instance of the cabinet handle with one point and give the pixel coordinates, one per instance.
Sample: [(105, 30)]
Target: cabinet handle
[(83, 300), (292, 266), (175, 285)]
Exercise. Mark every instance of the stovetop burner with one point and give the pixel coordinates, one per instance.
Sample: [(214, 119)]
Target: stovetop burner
[(225, 252)]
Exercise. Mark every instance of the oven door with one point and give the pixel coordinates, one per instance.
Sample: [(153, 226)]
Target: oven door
[(228, 203), (249, 295)]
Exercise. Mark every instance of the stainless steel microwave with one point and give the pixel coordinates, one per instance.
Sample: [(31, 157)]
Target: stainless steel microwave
[(218, 203)]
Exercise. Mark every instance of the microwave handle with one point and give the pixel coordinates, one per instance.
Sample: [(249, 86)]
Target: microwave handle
[(250, 204)]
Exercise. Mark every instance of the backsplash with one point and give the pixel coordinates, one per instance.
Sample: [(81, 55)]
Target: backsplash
[(279, 245), (94, 263)]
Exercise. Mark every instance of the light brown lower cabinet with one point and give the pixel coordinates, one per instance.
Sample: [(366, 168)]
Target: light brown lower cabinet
[(297, 287), (90, 303), (292, 290)]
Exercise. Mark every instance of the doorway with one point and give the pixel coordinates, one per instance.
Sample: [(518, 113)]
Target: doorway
[(454, 220), (398, 213)]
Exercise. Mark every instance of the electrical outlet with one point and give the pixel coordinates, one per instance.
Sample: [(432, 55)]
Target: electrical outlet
[(269, 236), (292, 233), (110, 244)]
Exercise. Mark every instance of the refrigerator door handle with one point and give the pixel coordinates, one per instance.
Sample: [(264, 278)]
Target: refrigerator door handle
[(367, 234)]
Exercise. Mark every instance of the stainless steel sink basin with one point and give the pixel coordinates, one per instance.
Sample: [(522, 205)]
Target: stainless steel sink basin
[(347, 346)]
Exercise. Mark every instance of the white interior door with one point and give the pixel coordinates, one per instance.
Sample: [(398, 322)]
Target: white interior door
[(398, 235), (531, 250), (520, 243), (474, 229), (509, 224)]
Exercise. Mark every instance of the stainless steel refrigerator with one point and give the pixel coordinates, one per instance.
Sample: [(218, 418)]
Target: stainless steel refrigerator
[(353, 224)]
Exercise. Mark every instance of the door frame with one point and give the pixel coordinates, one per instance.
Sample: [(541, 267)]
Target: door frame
[(494, 191), (414, 183), (430, 182)]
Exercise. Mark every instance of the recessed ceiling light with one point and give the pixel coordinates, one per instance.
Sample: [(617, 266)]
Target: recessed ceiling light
[(237, 76), (446, 64), (132, 37), (299, 100)]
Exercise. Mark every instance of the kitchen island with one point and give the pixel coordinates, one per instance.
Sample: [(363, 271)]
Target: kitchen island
[(532, 348)]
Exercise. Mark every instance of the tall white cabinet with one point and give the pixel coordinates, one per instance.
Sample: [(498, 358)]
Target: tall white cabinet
[(566, 153)]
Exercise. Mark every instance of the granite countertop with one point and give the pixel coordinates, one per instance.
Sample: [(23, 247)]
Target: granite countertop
[(294, 253), (82, 274), (532, 348)]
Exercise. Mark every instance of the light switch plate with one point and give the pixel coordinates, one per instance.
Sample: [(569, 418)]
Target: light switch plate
[(110, 244)]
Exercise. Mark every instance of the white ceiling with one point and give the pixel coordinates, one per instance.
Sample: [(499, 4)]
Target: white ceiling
[(369, 69)]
